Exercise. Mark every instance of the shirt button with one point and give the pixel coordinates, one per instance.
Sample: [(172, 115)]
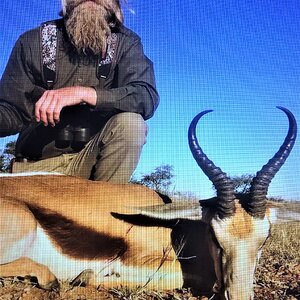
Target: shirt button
[(79, 79)]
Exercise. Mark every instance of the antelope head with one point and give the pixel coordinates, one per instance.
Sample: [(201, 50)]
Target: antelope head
[(239, 223)]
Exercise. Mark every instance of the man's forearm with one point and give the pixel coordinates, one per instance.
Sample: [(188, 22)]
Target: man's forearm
[(49, 106), (138, 98)]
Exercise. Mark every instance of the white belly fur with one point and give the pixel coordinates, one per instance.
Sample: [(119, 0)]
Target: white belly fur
[(108, 273)]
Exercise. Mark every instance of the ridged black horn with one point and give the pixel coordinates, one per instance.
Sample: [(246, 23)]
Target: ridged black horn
[(260, 183), (220, 180)]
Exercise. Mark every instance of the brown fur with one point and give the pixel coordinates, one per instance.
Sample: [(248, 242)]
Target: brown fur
[(241, 225), (72, 201), (76, 215)]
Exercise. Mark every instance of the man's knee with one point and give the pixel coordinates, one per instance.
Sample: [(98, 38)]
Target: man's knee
[(130, 127)]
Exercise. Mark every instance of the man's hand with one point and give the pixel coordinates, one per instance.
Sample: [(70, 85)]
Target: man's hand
[(49, 106)]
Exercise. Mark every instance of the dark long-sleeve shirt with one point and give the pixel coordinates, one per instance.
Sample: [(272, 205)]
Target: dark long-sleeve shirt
[(129, 86)]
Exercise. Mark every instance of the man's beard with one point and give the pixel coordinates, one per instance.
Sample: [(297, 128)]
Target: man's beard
[(88, 27)]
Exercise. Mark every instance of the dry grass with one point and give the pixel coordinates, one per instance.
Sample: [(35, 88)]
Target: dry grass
[(278, 272)]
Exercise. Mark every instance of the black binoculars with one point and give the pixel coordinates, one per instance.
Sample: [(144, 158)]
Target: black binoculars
[(72, 135)]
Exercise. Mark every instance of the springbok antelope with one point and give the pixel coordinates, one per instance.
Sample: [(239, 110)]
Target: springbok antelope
[(55, 226)]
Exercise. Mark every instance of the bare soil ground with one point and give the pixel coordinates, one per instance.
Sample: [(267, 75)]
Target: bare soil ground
[(277, 277)]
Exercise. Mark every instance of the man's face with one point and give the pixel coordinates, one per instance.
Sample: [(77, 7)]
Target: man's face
[(88, 23), (69, 5)]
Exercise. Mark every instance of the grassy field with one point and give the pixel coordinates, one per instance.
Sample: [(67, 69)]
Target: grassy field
[(278, 272), (277, 276)]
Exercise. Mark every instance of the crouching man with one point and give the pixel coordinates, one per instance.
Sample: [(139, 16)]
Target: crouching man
[(78, 90)]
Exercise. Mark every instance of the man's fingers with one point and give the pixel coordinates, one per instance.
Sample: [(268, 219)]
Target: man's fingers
[(53, 111), (49, 106), (56, 114), (44, 109), (49, 114), (38, 105)]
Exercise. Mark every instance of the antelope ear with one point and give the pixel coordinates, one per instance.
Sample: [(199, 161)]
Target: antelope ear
[(170, 213)]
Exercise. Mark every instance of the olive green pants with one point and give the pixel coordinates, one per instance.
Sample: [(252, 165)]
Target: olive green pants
[(112, 155)]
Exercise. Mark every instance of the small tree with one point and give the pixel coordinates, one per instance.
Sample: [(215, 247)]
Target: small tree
[(160, 179), (242, 183), (6, 157)]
